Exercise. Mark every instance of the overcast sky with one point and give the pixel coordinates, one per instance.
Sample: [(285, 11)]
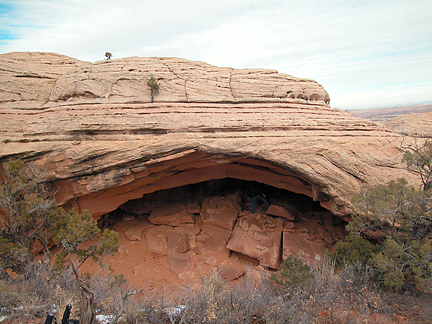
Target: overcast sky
[(365, 53)]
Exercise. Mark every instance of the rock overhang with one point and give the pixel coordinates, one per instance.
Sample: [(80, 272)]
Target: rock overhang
[(93, 127), (176, 170)]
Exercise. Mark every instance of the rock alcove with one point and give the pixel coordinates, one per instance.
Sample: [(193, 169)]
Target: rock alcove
[(185, 231)]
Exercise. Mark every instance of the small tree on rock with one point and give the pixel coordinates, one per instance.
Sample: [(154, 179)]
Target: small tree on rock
[(154, 87), (419, 159), (108, 55)]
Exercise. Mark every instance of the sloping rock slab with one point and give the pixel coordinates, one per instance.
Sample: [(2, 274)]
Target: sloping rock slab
[(230, 273), (172, 215), (279, 211)]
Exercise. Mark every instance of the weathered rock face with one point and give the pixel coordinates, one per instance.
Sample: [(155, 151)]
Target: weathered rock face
[(172, 215), (219, 214), (93, 127)]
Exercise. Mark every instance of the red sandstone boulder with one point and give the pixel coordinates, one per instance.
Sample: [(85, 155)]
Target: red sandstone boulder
[(156, 238), (172, 215), (193, 208), (230, 273), (179, 262), (218, 214), (214, 242), (177, 243), (134, 232), (259, 237)]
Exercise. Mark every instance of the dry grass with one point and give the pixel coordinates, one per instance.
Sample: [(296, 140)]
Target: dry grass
[(343, 296)]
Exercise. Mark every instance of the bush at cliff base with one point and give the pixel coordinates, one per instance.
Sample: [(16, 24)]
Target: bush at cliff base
[(400, 217), (31, 221)]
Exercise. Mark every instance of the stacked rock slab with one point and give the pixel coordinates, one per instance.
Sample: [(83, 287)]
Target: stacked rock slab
[(227, 224), (102, 141)]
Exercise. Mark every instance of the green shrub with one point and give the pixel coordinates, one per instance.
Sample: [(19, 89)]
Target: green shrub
[(293, 273), (31, 219), (354, 250), (402, 215)]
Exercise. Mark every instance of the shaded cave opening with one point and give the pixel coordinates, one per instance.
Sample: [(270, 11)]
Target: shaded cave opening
[(195, 193)]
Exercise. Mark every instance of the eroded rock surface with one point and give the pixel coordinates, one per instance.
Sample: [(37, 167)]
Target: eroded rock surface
[(219, 214), (279, 211), (93, 127), (172, 215)]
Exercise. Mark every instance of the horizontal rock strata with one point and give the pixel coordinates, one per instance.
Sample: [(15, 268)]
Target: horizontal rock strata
[(93, 127)]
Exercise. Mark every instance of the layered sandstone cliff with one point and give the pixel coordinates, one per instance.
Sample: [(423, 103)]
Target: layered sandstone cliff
[(93, 127)]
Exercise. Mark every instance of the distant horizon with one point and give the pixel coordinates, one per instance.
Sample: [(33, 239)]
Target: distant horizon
[(392, 106)]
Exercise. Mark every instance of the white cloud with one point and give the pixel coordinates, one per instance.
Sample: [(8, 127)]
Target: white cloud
[(347, 46)]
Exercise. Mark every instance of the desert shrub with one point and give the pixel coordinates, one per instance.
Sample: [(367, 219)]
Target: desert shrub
[(293, 273), (343, 296), (418, 158), (36, 292), (327, 297), (403, 217), (354, 250), (31, 219)]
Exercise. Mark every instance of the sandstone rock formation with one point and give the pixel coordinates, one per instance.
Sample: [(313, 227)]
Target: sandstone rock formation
[(419, 125), (92, 126), (152, 171)]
